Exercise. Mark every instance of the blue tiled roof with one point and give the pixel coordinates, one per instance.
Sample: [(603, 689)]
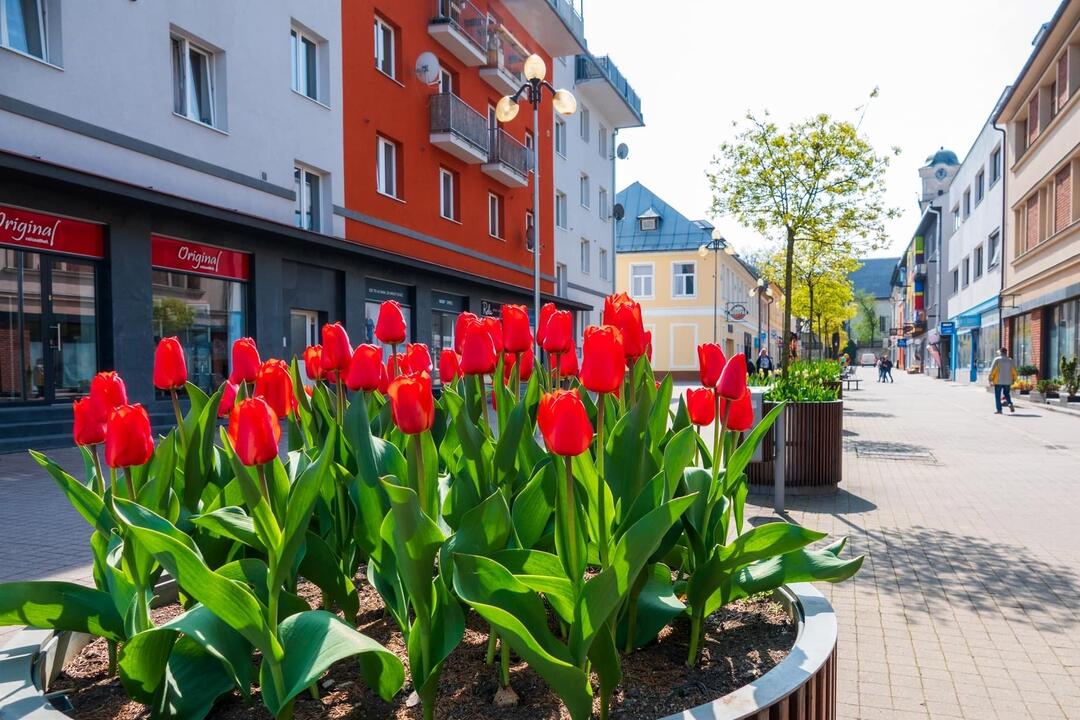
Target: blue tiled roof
[(675, 231), (875, 276)]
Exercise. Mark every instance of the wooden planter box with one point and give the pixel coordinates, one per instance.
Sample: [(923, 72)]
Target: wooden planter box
[(815, 449)]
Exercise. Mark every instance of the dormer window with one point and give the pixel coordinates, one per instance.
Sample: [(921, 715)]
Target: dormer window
[(647, 223)]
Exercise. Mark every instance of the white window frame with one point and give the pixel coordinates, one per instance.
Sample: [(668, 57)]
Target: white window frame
[(655, 222), (446, 82), (495, 216), (43, 31), (560, 209), (385, 54), (302, 184), (956, 220), (182, 73), (602, 261), (384, 185), (980, 187), (965, 272), (444, 201), (993, 255), (586, 257), (586, 123), (602, 140), (995, 166), (298, 38), (650, 277), (675, 277), (560, 137), (978, 258), (530, 222), (561, 279), (586, 190), (604, 204)]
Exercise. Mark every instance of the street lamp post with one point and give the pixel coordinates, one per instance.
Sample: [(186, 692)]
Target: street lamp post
[(505, 111), (762, 289), (714, 246)]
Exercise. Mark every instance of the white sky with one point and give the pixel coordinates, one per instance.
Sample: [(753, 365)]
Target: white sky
[(700, 64)]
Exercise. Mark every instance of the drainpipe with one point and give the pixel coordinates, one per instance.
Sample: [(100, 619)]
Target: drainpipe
[(1004, 239), (937, 283), (613, 193)]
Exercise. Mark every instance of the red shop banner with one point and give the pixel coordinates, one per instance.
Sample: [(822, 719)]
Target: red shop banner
[(30, 230), (183, 256)]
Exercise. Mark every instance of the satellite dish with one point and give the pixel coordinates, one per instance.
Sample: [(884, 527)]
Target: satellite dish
[(618, 212), (427, 68), (622, 152)]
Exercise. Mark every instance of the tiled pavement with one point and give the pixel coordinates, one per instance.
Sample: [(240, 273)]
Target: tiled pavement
[(966, 606)]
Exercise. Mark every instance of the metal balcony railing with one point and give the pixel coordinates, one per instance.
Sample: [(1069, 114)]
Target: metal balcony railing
[(595, 68), (570, 13), (509, 152), (466, 17), (505, 53), (450, 114)]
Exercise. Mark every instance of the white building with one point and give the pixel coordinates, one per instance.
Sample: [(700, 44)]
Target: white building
[(585, 161), (971, 283)]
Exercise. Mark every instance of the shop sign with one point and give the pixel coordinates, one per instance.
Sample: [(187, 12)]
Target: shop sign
[(737, 311), (445, 302), (490, 308), (969, 321), (381, 290), (37, 231), (948, 328), (902, 342), (188, 257)]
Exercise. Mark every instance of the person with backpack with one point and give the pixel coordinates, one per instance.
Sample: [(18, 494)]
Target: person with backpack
[(1002, 375)]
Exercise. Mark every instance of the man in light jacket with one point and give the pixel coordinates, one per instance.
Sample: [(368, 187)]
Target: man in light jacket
[(1002, 376)]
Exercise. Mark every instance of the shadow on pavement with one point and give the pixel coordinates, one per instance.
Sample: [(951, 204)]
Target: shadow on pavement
[(866, 414)]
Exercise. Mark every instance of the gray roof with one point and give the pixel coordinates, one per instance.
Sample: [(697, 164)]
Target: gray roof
[(874, 277), (675, 232)]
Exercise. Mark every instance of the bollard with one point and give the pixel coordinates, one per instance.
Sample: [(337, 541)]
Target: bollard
[(779, 462)]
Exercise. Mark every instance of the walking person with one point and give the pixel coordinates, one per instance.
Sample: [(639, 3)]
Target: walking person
[(886, 362), (764, 362), (1002, 375), (880, 368)]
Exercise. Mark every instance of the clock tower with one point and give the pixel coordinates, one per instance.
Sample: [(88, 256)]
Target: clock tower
[(937, 175)]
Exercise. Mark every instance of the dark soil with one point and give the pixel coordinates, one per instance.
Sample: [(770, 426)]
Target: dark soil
[(743, 641)]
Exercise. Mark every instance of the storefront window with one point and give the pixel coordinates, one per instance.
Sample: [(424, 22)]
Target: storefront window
[(964, 346), (989, 342), (445, 309), (1021, 340), (1064, 336)]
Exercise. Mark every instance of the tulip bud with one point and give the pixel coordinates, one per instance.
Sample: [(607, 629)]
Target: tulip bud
[(568, 363), (732, 383), (560, 332), (711, 363), (128, 439), (336, 349), (228, 398), (449, 366), (170, 367), (390, 327), (274, 385), (313, 365), (517, 335), (564, 423), (624, 313), (464, 320), (254, 431), (541, 323), (417, 358), (384, 380), (412, 405), (701, 405), (603, 361), (478, 355), (107, 392), (88, 428), (245, 361), (524, 363), (493, 328), (740, 413), (365, 368)]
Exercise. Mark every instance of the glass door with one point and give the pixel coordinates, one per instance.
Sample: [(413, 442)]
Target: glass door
[(72, 329), (303, 331), (22, 362)]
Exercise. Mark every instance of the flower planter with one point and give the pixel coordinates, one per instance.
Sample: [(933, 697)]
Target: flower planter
[(814, 449), (1037, 397), (802, 686)]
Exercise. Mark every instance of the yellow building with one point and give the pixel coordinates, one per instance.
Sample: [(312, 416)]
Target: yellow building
[(692, 288)]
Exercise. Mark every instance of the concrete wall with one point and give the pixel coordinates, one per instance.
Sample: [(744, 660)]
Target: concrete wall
[(106, 106)]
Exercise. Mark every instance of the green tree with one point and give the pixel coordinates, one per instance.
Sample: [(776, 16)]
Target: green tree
[(818, 182), (865, 326)]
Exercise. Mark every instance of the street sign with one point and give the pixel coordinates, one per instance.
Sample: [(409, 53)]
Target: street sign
[(737, 311), (902, 342), (969, 321), (948, 328)]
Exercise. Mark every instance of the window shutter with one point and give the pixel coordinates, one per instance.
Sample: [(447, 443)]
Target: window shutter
[(1063, 198), (1033, 119), (1032, 234), (1063, 80)]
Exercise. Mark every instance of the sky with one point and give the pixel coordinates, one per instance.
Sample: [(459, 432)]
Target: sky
[(699, 65)]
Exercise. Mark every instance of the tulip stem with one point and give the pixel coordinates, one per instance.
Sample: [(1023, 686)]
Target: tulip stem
[(716, 437), (571, 519), (393, 360), (504, 663), (99, 479), (176, 409), (261, 469), (417, 448), (555, 371), (601, 482), (340, 400), (130, 484)]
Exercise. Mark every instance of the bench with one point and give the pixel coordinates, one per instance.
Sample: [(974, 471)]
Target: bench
[(848, 381)]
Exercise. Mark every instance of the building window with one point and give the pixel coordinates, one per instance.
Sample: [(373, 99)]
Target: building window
[(603, 264), (1063, 194), (385, 50), (584, 190), (881, 323), (529, 239), (448, 207), (560, 209), (386, 166), (965, 271), (978, 262), (956, 218), (447, 82), (956, 280), (967, 203), (601, 141), (682, 280), (193, 81), (305, 64), (995, 166), (980, 182), (1031, 234), (495, 216), (641, 281), (647, 224), (560, 136), (605, 212), (993, 249), (584, 112), (586, 257), (24, 27), (306, 187), (560, 279)]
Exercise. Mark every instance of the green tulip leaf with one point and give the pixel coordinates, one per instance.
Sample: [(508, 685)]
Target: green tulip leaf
[(657, 606), (535, 505), (415, 540), (232, 523), (322, 567), (543, 573), (85, 501), (61, 606)]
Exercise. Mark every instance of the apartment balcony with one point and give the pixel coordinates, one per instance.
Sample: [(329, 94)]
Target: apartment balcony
[(461, 28), (458, 129), (505, 62), (508, 161), (598, 81), (556, 25)]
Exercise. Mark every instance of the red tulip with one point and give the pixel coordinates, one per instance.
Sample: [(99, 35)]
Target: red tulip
[(107, 392), (559, 337), (701, 405), (568, 364), (711, 363), (313, 366), (624, 313), (128, 440), (493, 327), (384, 380), (732, 383), (245, 361), (603, 360), (88, 428), (336, 349), (449, 366), (740, 413), (478, 355), (396, 362), (254, 431), (417, 359), (390, 327), (541, 323), (525, 370), (464, 320), (412, 405), (170, 368), (274, 385), (648, 344), (228, 398), (564, 423), (517, 335), (365, 368)]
